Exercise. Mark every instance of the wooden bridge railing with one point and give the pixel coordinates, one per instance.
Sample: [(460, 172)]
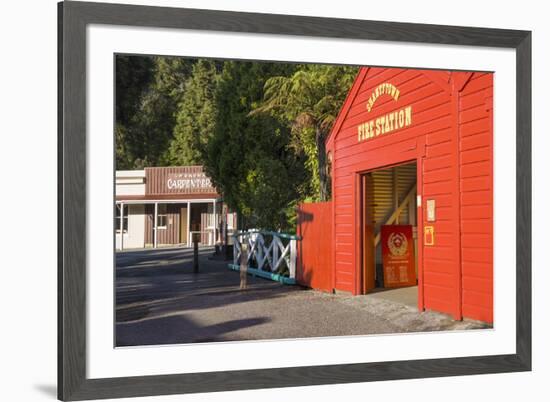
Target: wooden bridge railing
[(270, 254)]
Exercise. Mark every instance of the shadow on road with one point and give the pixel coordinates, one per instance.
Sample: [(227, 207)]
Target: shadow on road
[(158, 297), (159, 300), (174, 329)]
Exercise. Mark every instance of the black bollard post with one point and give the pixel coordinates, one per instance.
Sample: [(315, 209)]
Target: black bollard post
[(244, 265), (228, 249), (195, 254)]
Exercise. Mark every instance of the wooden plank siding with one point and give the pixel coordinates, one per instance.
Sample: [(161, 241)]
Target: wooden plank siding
[(431, 115), (476, 182), (171, 234), (314, 268), (156, 179), (450, 138)]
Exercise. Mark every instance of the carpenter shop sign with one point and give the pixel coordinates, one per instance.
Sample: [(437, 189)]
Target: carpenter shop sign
[(398, 256), (177, 180), (188, 181), (388, 122)]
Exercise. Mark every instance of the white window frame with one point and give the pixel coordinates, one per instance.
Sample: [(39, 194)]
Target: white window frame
[(164, 215), (125, 219)]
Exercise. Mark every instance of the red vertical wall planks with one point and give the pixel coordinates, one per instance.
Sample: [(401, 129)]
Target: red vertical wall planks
[(476, 177), (314, 256)]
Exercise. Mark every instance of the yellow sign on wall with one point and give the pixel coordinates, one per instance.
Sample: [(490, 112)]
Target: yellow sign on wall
[(390, 121), (383, 89), (385, 124), (429, 236)]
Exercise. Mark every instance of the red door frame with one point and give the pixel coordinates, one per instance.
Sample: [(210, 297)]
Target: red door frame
[(413, 152)]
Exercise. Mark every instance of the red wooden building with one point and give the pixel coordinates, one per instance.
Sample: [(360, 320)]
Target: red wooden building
[(409, 147)]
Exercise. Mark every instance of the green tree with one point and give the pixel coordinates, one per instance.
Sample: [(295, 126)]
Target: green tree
[(259, 129), (196, 115), (248, 156), (146, 117), (171, 75), (151, 129), (309, 100), (133, 77)]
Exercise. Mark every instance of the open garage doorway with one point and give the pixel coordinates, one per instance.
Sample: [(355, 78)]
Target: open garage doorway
[(389, 262)]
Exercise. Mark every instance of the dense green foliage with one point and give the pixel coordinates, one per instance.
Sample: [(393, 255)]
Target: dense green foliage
[(309, 100), (146, 108), (195, 116), (257, 128), (249, 156)]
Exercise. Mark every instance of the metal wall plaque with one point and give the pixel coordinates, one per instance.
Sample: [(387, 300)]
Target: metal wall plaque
[(430, 210)]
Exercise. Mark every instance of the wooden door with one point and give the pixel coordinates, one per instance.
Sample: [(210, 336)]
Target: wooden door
[(184, 229), (367, 233)]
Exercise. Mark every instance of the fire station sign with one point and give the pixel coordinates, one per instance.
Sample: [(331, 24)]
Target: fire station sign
[(384, 88), (387, 123), (398, 256)]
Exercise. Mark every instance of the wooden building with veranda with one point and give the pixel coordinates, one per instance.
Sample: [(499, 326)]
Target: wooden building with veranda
[(166, 206)]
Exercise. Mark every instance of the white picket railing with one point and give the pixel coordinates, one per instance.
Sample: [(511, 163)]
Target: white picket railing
[(272, 251)]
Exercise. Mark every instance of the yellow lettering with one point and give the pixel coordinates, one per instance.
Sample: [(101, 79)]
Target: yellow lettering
[(385, 124), (401, 118), (385, 88), (408, 117)]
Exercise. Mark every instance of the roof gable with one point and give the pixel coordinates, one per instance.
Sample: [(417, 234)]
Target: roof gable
[(347, 104), (441, 78)]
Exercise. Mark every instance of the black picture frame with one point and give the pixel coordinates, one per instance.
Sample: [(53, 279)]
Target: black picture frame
[(73, 17)]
